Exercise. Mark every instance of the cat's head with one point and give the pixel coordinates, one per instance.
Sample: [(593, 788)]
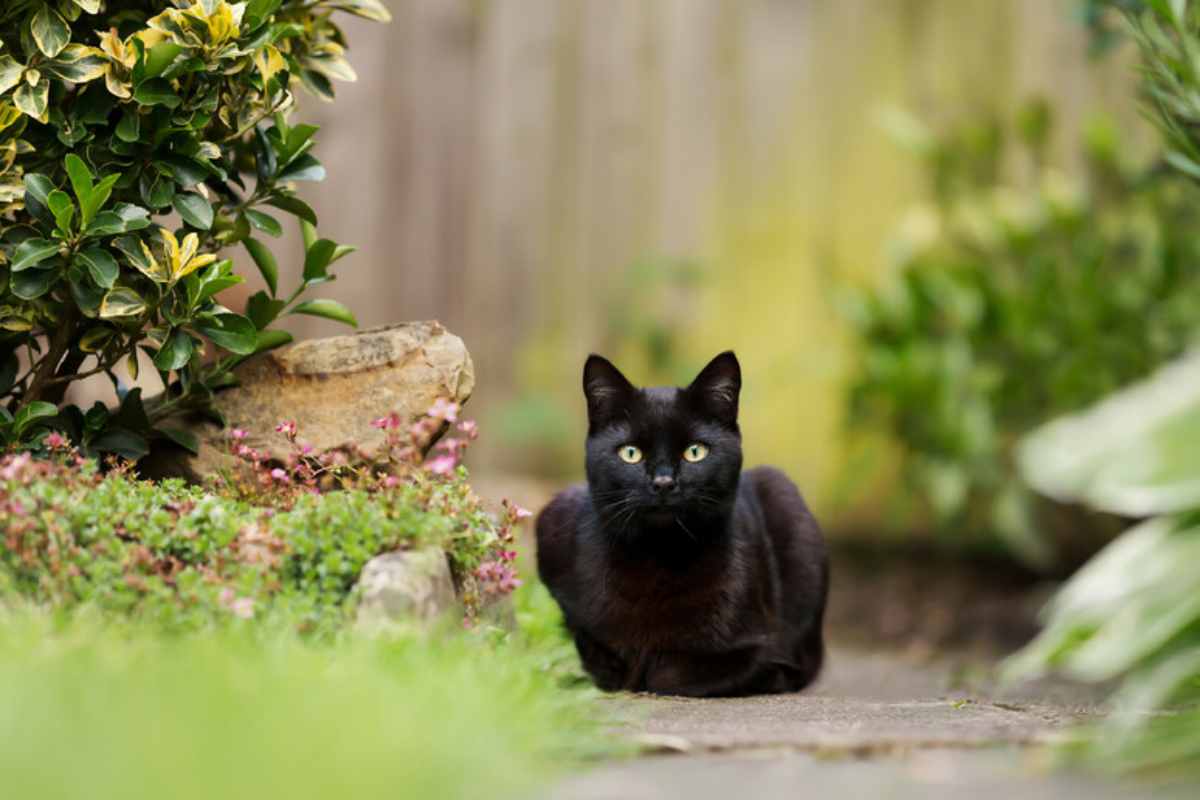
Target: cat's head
[(664, 454)]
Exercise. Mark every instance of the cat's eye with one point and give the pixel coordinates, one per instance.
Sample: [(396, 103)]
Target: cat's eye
[(630, 454), (695, 452)]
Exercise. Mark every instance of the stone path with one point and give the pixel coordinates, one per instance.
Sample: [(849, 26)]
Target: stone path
[(875, 726)]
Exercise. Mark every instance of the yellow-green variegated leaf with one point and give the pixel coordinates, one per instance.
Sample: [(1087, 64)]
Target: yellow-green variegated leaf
[(199, 262), (10, 73), (90, 6), (269, 62), (78, 64), (121, 302), (50, 31), (9, 114), (151, 267), (368, 9), (116, 86), (334, 67), (95, 338), (34, 100)]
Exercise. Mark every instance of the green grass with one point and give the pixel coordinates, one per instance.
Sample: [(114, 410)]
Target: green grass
[(92, 709)]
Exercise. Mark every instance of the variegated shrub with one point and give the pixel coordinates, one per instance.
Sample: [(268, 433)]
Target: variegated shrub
[(139, 140)]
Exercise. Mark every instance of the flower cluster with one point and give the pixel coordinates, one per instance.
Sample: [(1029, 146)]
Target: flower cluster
[(420, 458)]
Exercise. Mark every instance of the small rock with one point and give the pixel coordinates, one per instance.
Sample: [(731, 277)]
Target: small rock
[(332, 388), (404, 586)]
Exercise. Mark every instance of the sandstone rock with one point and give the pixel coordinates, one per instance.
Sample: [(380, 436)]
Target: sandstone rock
[(404, 587), (332, 388)]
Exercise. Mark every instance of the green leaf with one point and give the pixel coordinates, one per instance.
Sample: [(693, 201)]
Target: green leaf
[(264, 222), (185, 439), (95, 338), (294, 206), (100, 194), (156, 190), (122, 442), (195, 210), (32, 252), (305, 168), (86, 294), (158, 58), (39, 187), (317, 259), (10, 73), (308, 232), (266, 262), (77, 64), (122, 302), (33, 283), (157, 92), (1135, 454), (270, 339), (63, 209), (81, 178), (373, 10), (176, 351), (130, 126), (90, 6), (34, 100), (263, 310), (329, 309), (30, 414), (101, 266), (50, 31), (233, 332)]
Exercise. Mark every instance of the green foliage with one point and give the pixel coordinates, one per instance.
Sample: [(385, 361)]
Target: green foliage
[(113, 116), (1012, 302), (1132, 613), (185, 558), (245, 714)]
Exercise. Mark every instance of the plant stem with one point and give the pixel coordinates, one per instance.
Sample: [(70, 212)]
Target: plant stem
[(60, 343)]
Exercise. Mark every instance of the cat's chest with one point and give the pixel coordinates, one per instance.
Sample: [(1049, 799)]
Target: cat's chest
[(636, 606)]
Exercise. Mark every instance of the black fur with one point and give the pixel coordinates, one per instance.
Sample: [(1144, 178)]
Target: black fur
[(712, 581)]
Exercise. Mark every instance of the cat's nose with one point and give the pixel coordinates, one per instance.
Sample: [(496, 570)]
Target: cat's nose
[(663, 483)]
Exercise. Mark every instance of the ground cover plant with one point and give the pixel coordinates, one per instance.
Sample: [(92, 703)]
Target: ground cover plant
[(286, 540), (139, 142)]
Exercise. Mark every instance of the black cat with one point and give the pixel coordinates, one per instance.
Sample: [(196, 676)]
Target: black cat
[(678, 573)]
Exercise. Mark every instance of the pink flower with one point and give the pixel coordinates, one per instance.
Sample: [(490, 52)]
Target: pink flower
[(287, 428), (56, 441), (508, 555), (521, 513), (237, 434), (226, 596), (443, 409), (469, 428), (442, 465), (391, 482), (243, 607), (280, 475)]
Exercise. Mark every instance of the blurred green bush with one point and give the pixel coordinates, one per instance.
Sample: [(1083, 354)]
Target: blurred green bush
[(1011, 301)]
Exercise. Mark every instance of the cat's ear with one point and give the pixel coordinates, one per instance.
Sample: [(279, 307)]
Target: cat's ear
[(607, 391), (717, 387)]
